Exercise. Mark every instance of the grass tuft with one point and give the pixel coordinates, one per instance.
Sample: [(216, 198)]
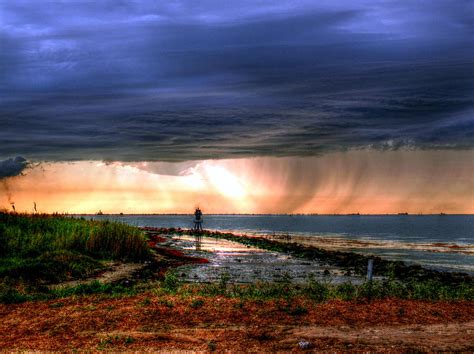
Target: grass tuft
[(45, 249)]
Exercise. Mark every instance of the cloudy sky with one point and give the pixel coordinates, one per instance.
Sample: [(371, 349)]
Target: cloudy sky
[(175, 89)]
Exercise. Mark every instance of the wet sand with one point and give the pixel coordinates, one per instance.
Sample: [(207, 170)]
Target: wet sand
[(246, 264)]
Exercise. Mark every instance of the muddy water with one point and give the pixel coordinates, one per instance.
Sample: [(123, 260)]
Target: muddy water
[(243, 264)]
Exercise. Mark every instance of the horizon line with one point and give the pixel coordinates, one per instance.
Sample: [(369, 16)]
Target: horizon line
[(275, 214), (236, 214)]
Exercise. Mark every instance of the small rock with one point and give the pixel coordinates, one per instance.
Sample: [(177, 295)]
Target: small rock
[(303, 344)]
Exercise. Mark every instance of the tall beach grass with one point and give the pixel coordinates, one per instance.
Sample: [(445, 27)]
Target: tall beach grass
[(57, 247)]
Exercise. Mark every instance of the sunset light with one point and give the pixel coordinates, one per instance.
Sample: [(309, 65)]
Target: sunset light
[(366, 182), (237, 176)]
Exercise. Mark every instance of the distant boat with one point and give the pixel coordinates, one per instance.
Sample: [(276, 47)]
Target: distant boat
[(402, 213), (442, 214), (100, 212)]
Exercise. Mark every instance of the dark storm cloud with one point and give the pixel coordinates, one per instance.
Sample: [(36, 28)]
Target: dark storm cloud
[(134, 80), (12, 167)]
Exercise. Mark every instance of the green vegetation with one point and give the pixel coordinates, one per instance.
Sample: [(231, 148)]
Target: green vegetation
[(313, 290), (11, 293), (197, 303), (318, 291), (212, 345), (38, 250), (104, 344), (43, 249)]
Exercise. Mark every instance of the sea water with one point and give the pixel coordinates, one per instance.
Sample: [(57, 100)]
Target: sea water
[(444, 242)]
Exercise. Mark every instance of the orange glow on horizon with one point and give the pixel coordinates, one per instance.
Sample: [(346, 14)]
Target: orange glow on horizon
[(366, 182)]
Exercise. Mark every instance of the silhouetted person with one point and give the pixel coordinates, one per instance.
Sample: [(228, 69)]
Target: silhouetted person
[(198, 219)]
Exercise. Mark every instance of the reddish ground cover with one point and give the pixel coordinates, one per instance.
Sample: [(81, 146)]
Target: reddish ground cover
[(177, 254), (154, 240), (171, 253), (150, 322)]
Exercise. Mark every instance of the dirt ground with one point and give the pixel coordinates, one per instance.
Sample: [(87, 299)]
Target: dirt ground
[(165, 322), (116, 271)]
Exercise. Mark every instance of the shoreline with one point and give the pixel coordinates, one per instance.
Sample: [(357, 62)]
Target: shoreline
[(440, 243), (351, 261)]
